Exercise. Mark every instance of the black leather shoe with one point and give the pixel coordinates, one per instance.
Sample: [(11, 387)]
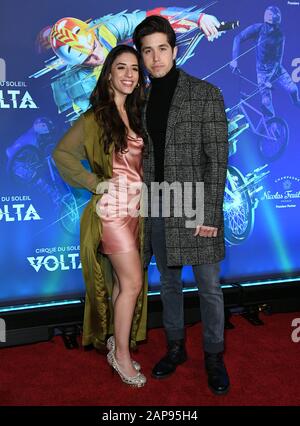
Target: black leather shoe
[(218, 380), (175, 356)]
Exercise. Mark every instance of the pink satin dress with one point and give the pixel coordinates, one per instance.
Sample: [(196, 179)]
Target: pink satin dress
[(118, 209)]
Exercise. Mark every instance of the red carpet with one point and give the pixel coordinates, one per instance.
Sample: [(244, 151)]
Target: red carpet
[(263, 364)]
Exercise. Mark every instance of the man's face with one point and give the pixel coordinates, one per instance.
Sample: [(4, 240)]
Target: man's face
[(272, 15), (268, 16), (96, 58), (157, 54)]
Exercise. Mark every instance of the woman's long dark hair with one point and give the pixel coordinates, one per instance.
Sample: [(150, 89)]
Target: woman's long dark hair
[(104, 107)]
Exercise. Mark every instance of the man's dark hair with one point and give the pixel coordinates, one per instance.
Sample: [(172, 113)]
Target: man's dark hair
[(153, 24)]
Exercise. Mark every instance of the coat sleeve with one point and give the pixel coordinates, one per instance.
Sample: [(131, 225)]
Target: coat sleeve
[(215, 146), (68, 157)]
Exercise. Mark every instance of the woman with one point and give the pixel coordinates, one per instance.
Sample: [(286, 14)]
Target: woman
[(109, 136)]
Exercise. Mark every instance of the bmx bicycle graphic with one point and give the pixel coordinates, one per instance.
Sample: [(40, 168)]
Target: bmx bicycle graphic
[(241, 192), (272, 132)]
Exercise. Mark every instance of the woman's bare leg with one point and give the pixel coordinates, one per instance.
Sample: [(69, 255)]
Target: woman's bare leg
[(116, 288), (127, 267)]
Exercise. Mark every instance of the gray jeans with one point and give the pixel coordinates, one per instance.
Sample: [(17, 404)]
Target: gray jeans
[(210, 294)]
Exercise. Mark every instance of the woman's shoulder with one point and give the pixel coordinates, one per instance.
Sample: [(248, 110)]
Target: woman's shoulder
[(88, 115), (90, 123), (89, 119)]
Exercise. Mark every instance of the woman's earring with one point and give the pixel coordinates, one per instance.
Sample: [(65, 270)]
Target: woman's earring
[(137, 86)]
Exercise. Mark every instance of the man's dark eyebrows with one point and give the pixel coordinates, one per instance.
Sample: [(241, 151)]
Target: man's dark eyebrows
[(150, 47)]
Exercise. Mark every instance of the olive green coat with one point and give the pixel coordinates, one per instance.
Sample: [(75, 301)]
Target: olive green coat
[(83, 142)]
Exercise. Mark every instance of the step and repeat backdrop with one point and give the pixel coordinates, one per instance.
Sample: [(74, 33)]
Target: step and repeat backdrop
[(45, 84)]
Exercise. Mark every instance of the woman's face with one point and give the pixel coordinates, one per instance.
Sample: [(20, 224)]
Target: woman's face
[(124, 74)]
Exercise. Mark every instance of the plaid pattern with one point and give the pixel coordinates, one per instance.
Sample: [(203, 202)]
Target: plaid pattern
[(196, 151)]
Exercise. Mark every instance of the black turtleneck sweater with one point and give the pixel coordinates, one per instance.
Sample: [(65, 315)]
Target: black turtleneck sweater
[(162, 90)]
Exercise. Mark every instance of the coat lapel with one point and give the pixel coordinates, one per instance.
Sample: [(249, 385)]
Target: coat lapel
[(144, 122), (180, 94)]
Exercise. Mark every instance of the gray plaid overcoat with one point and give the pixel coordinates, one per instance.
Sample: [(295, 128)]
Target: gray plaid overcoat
[(196, 150)]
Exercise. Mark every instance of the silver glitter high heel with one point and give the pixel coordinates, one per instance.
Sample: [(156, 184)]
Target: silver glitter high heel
[(111, 346), (137, 381)]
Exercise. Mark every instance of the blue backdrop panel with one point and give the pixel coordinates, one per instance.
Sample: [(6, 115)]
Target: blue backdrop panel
[(41, 93)]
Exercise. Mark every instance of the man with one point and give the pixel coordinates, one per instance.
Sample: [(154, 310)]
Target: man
[(269, 41), (187, 131), (81, 48)]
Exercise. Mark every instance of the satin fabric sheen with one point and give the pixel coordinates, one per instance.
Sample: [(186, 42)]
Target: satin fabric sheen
[(118, 209)]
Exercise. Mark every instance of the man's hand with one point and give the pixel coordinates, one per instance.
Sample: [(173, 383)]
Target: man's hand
[(206, 231), (209, 24)]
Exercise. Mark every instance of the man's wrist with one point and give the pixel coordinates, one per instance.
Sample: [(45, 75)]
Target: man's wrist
[(199, 19)]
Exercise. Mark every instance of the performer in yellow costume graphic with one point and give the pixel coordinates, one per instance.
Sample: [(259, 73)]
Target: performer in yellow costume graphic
[(81, 48)]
